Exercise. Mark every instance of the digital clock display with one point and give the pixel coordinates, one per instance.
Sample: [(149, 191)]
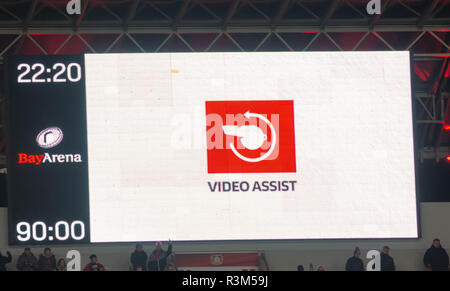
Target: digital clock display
[(39, 231), (58, 73)]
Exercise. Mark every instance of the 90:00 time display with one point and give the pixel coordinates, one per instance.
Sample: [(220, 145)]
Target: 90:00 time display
[(61, 231)]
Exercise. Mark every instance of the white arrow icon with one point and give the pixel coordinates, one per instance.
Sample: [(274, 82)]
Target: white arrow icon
[(252, 137)]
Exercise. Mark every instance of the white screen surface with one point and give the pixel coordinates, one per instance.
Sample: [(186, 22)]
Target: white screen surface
[(147, 146)]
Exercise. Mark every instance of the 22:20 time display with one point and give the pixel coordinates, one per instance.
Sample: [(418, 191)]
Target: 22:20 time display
[(58, 73), (61, 231)]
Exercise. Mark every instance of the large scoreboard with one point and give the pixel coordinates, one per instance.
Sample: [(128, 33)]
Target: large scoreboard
[(210, 146)]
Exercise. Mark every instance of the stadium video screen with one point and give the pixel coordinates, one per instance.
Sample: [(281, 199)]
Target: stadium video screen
[(210, 146)]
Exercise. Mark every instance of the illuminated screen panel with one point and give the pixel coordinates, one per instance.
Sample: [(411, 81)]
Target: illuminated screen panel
[(233, 146), (209, 146), (48, 191)]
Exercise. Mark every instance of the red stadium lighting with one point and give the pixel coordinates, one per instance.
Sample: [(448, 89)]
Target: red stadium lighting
[(446, 127), (448, 158)]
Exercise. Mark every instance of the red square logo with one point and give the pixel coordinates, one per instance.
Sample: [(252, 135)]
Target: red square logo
[(250, 136)]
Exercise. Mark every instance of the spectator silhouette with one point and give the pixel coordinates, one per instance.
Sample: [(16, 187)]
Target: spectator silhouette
[(355, 263), (61, 265), (5, 260), (436, 258), (27, 261), (158, 258), (387, 262), (47, 261), (94, 265), (139, 259)]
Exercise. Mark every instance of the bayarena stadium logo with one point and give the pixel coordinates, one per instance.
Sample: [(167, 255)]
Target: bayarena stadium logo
[(48, 138), (250, 136)]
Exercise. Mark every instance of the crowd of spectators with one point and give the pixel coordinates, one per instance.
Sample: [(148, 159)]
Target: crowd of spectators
[(27, 261), (159, 260), (434, 259)]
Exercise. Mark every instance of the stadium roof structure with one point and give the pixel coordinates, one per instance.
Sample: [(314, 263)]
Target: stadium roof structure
[(107, 26)]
